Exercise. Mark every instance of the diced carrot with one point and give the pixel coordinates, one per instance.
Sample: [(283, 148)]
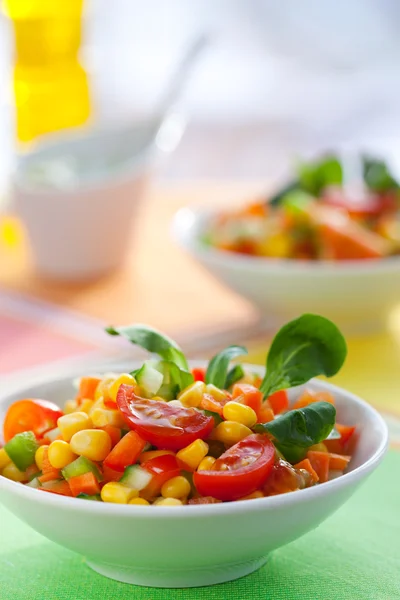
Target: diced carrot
[(265, 414), (113, 432), (126, 452), (87, 388), (279, 402), (320, 463), (251, 396), (31, 471), (308, 397), (50, 476), (110, 474), (338, 462), (56, 487), (340, 446), (307, 466), (84, 484)]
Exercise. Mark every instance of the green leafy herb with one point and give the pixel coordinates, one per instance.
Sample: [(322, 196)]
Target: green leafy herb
[(278, 197), (236, 373), (217, 370), (153, 341), (377, 176), (297, 430), (303, 348), (315, 176), (217, 418)]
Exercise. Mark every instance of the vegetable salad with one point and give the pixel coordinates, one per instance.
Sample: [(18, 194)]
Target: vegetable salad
[(168, 435), (317, 217)]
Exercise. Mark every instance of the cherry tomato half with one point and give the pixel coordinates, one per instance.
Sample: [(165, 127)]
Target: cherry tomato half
[(30, 414), (372, 205), (162, 425), (241, 470)]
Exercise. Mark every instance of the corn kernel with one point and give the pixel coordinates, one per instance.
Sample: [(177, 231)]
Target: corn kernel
[(72, 423), (167, 502), (140, 501), (117, 493), (60, 454), (103, 389), (124, 378), (193, 454), (215, 392), (4, 459), (99, 403), (230, 432), (149, 454), (321, 447), (39, 455), (10, 471), (159, 399), (252, 496), (193, 394), (70, 406), (94, 444), (177, 487), (206, 463), (240, 413), (103, 416), (86, 405)]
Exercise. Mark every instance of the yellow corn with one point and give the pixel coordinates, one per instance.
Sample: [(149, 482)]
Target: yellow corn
[(60, 454), (99, 403), (103, 416), (230, 432), (141, 501), (103, 389), (240, 413), (206, 463), (167, 502), (10, 471), (4, 459), (117, 493), (177, 487), (70, 406), (94, 444), (39, 456), (193, 454), (159, 399), (215, 392), (277, 245), (72, 423), (252, 496), (124, 378), (193, 394), (149, 454), (321, 447), (86, 405)]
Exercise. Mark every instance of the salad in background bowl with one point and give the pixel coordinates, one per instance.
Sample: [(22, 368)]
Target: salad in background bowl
[(318, 245), (138, 470)]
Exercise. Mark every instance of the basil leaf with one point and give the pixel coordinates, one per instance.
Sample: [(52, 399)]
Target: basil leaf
[(377, 176), (153, 341), (278, 197), (217, 418), (297, 430), (236, 373), (303, 348), (217, 369), (315, 176)]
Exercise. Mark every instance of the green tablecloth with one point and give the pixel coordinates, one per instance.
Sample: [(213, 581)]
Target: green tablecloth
[(355, 555)]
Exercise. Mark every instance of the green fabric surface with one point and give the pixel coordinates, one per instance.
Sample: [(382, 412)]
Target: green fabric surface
[(353, 555)]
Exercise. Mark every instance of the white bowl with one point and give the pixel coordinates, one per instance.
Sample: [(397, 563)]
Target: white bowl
[(357, 295), (191, 546), (79, 226)]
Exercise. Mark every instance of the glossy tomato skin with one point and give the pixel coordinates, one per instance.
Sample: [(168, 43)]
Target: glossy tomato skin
[(162, 469), (229, 479), (30, 414), (164, 426)]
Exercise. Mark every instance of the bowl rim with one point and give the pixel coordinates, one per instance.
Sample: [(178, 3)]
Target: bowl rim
[(188, 222), (218, 509)]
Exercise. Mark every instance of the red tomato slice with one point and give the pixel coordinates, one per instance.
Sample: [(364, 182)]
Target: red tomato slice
[(241, 470), (34, 415), (162, 468), (126, 452), (372, 205), (199, 374), (162, 425)]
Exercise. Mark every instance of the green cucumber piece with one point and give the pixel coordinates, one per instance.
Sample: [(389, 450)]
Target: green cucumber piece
[(22, 449), (136, 477), (96, 497), (149, 379), (80, 466), (34, 483)]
